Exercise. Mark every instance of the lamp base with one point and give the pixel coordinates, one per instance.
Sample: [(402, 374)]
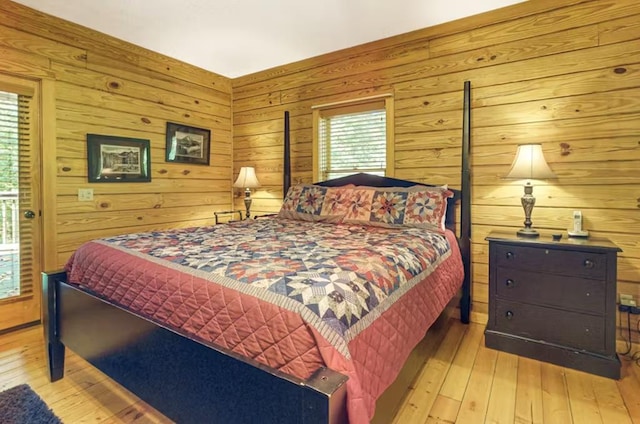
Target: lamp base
[(527, 232), (247, 203), (528, 201)]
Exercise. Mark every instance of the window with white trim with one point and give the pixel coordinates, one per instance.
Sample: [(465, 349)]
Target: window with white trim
[(353, 137)]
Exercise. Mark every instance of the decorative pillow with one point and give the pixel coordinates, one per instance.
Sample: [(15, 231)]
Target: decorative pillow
[(308, 202), (417, 206)]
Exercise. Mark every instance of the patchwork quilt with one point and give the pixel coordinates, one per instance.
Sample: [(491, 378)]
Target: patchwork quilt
[(294, 295)]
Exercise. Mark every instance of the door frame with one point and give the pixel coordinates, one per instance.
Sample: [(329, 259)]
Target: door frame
[(46, 145)]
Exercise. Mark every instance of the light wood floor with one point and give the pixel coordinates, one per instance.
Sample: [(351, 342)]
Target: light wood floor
[(462, 382)]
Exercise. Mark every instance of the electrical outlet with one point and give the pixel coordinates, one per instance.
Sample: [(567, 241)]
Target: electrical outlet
[(85, 194)]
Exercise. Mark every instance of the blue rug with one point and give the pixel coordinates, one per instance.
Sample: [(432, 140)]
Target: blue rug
[(21, 405)]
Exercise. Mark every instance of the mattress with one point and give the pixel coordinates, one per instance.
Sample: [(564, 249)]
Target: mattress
[(292, 295)]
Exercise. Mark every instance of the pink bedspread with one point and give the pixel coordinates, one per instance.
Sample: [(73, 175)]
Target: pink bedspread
[(292, 295)]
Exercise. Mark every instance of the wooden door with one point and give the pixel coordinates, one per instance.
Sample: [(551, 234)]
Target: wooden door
[(20, 212)]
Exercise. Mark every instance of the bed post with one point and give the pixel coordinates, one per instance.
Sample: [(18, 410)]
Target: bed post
[(51, 322), (465, 206), (286, 180)]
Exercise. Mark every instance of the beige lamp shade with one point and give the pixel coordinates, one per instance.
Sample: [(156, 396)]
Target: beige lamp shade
[(247, 178), (530, 164)]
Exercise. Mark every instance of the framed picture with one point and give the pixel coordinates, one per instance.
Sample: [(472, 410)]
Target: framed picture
[(112, 159), (187, 144)]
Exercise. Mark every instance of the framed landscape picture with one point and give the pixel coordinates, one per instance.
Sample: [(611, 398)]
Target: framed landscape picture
[(112, 159), (187, 144)]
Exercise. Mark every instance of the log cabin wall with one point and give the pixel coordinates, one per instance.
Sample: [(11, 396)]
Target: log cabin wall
[(102, 85), (565, 74)]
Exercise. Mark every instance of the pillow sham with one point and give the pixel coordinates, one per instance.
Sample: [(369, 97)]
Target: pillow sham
[(417, 206), (308, 202)]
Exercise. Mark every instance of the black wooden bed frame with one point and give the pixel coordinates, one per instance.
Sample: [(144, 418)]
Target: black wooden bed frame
[(192, 382)]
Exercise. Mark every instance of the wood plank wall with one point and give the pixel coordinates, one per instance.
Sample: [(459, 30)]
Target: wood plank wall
[(564, 73), (107, 86)]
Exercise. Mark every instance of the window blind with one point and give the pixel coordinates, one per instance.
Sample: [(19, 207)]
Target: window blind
[(15, 181), (25, 188), (352, 139), (8, 141)]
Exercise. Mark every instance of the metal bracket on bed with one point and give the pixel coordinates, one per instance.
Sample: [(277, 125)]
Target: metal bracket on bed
[(333, 385)]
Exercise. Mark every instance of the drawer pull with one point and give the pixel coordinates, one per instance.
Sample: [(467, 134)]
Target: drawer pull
[(588, 263), (510, 255), (508, 315), (509, 282)]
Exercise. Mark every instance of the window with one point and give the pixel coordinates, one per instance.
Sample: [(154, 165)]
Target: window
[(353, 137)]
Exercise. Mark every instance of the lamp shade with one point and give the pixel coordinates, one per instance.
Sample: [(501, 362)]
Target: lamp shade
[(247, 178), (530, 164)]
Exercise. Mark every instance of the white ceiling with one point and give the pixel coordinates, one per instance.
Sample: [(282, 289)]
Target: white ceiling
[(239, 37)]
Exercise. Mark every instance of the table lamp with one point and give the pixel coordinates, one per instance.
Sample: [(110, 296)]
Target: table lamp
[(528, 165), (247, 180)]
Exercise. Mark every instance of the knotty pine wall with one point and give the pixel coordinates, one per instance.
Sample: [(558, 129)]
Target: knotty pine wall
[(564, 73), (106, 86)]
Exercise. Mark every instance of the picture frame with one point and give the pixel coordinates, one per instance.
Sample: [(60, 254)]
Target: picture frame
[(113, 159), (186, 144)]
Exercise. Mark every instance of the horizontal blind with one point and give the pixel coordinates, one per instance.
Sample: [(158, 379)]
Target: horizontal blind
[(15, 184), (8, 141), (25, 144), (352, 139)]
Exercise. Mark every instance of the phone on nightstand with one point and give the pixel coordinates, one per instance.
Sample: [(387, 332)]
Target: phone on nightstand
[(577, 226)]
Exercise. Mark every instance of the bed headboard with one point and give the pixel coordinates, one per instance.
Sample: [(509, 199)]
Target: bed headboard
[(362, 179)]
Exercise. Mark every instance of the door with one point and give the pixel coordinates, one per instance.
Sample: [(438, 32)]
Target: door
[(20, 245)]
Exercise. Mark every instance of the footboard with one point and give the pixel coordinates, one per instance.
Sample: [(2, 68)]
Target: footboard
[(186, 380)]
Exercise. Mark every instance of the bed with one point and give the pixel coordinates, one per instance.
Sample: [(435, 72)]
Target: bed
[(240, 330)]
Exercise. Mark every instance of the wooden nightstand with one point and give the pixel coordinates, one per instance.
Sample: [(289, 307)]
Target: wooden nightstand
[(220, 213), (554, 301)]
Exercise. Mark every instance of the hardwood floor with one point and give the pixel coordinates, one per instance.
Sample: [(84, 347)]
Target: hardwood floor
[(462, 382)]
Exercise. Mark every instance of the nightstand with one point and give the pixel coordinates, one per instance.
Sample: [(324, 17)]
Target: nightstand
[(219, 213), (554, 301)]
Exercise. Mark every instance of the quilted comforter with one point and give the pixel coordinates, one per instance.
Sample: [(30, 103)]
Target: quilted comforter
[(293, 295)]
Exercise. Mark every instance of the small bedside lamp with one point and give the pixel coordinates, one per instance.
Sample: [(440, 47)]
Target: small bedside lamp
[(247, 180), (529, 164)]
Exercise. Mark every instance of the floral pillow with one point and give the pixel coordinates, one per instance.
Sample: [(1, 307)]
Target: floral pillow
[(307, 202), (417, 206)]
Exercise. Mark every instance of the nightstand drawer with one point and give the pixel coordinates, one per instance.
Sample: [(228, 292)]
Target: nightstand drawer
[(577, 263), (551, 325), (572, 293)]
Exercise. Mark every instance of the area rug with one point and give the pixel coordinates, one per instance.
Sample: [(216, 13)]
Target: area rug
[(21, 405)]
